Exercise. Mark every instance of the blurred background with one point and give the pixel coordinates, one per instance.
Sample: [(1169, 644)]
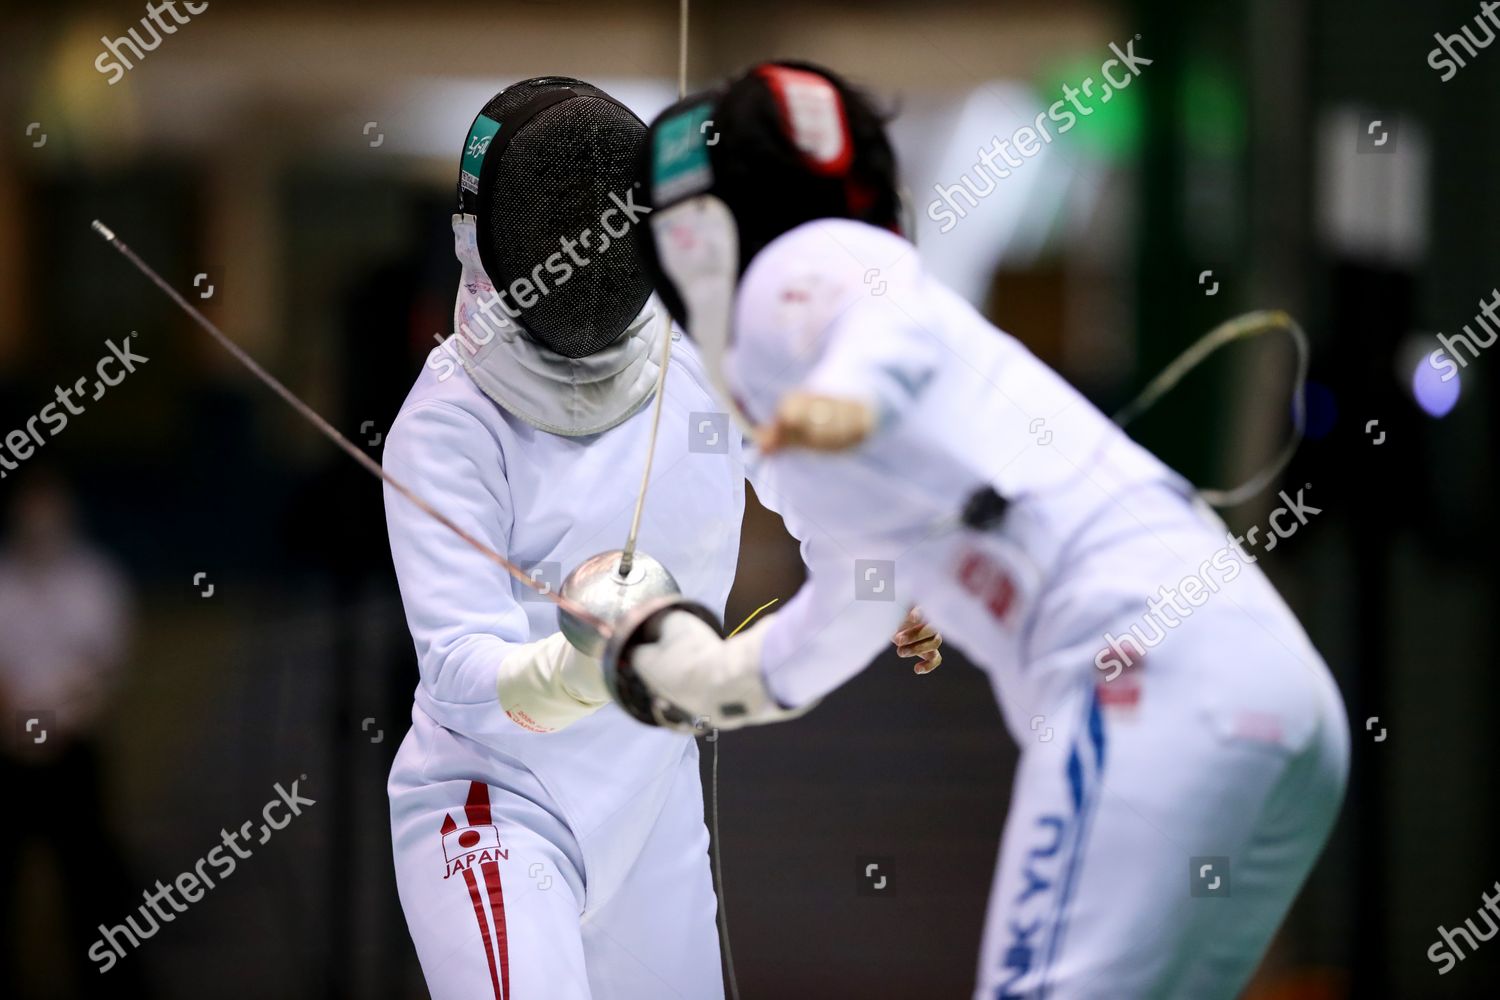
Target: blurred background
[(196, 597)]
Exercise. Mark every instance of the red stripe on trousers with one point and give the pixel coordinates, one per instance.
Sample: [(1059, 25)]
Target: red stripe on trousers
[(484, 928), (477, 811), (497, 907)]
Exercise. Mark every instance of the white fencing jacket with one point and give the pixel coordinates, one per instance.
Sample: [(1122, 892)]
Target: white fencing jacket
[(844, 308), (547, 502)]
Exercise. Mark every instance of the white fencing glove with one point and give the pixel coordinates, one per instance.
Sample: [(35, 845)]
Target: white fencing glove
[(548, 685), (714, 681)]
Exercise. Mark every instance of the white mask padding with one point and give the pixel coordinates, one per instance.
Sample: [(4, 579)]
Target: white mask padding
[(569, 396), (698, 246)]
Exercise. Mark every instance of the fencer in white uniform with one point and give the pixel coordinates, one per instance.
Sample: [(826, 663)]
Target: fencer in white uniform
[(546, 846), (569, 863), (1172, 793)]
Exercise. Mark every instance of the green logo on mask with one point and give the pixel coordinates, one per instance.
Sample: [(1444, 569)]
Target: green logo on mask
[(479, 143), (679, 154)]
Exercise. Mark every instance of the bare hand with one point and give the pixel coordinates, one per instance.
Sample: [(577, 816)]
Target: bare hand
[(917, 638), (819, 423)]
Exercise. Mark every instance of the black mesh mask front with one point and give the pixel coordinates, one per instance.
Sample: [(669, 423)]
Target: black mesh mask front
[(555, 179)]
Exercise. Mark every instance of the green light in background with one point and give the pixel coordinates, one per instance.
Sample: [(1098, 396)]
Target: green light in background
[(1212, 109), (1113, 129)]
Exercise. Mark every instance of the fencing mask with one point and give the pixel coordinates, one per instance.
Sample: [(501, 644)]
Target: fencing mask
[(727, 171), (547, 176)]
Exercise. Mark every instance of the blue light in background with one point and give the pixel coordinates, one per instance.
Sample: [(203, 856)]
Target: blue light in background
[(1322, 410), (1436, 397)]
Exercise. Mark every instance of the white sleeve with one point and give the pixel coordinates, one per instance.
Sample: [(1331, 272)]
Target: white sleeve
[(766, 493), (827, 633), (836, 307), (830, 308), (853, 600), (876, 352), (813, 643), (460, 606)]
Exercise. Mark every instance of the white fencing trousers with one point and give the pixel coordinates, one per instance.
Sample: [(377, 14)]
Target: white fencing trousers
[(498, 901), (1148, 854)]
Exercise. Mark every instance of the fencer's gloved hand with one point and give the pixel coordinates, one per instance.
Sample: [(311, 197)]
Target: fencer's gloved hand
[(917, 638), (547, 685), (817, 422), (716, 681)]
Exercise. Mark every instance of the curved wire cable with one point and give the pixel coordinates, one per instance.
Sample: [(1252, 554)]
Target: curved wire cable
[(1246, 327)]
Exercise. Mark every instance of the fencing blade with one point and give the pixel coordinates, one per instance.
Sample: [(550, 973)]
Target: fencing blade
[(313, 417)]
